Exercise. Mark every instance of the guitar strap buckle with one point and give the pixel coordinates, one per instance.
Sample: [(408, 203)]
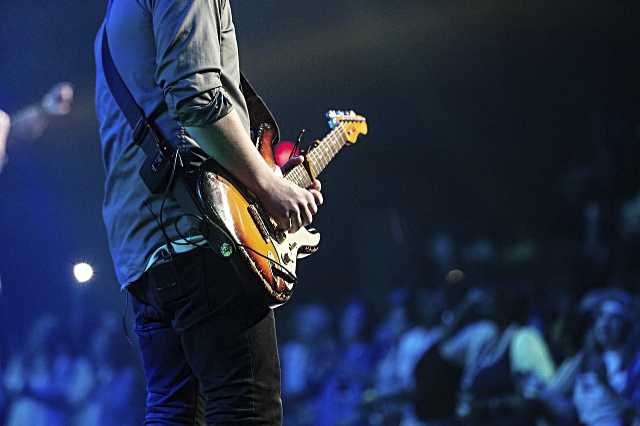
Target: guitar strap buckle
[(156, 164)]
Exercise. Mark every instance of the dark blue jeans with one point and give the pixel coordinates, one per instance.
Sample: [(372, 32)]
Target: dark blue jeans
[(209, 352)]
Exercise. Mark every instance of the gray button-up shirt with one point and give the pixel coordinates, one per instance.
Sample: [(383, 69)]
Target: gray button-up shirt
[(172, 51)]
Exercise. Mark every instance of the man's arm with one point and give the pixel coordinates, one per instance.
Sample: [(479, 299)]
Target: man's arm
[(188, 69), (227, 142), (30, 123), (5, 124)]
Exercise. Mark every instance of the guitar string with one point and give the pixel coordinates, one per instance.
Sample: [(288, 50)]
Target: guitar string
[(316, 155), (324, 152), (327, 146), (329, 149), (298, 170)]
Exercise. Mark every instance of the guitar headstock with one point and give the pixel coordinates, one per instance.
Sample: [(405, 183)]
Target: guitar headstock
[(353, 124)]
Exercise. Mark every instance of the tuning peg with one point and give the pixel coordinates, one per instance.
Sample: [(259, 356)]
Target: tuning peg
[(331, 119)]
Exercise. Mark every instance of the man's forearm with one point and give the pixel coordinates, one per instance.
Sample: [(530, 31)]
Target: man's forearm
[(29, 123), (228, 143)]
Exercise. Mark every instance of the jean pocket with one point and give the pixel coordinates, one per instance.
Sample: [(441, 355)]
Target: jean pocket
[(174, 282)]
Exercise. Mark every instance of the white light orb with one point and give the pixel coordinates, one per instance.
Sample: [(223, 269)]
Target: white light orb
[(83, 272)]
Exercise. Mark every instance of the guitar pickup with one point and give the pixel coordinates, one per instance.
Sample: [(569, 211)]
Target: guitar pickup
[(255, 215)]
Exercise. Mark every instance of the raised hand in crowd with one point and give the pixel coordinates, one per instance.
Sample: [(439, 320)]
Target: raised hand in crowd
[(5, 124), (31, 122)]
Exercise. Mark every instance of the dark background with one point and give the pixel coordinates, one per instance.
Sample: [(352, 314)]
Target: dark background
[(481, 116)]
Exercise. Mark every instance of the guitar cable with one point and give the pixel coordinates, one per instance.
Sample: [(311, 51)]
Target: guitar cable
[(160, 221)]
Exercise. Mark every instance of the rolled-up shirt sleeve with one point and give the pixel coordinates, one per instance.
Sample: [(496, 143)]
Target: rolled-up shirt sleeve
[(188, 61)]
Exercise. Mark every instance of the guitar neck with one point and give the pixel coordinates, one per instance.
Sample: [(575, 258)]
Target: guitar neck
[(318, 158)]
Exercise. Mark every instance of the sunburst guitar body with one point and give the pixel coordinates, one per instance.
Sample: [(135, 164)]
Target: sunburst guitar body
[(270, 253)]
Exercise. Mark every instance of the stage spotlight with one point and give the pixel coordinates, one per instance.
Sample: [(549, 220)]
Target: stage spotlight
[(83, 272)]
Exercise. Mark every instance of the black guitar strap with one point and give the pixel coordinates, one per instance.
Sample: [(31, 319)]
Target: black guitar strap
[(157, 170)]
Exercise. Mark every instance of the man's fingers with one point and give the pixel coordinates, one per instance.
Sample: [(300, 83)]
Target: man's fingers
[(316, 185), (317, 195), (296, 220), (5, 121), (313, 208), (65, 91), (5, 125), (58, 100), (283, 223), (307, 215)]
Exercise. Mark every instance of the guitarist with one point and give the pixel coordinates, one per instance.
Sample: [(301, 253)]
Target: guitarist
[(209, 353)]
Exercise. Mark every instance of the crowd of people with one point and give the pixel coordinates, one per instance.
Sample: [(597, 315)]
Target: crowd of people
[(449, 351), (500, 352), (58, 378)]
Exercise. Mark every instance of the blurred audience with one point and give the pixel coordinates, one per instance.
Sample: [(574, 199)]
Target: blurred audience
[(306, 360), (460, 353), (509, 341), (54, 381), (340, 397), (455, 353), (595, 386)]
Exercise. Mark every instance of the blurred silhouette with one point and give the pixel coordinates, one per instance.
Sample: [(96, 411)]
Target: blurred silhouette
[(30, 122), (596, 386), (306, 361), (340, 398), (46, 380)]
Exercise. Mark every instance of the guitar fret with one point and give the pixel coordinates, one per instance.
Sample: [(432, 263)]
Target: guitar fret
[(327, 149), (319, 157)]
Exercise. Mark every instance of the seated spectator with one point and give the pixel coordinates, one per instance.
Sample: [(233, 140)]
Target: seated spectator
[(306, 362), (113, 399), (387, 341), (425, 310), (484, 369), (40, 380), (596, 386), (341, 397), (438, 373)]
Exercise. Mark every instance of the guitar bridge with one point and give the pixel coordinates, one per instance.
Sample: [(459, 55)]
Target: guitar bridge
[(255, 215)]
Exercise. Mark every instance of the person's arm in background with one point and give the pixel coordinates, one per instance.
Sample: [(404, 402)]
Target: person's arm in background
[(30, 122), (557, 397), (5, 124), (189, 65)]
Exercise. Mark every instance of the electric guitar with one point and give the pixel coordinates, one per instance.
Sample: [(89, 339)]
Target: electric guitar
[(270, 253)]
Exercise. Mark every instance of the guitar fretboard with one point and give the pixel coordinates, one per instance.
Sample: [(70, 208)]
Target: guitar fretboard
[(318, 158)]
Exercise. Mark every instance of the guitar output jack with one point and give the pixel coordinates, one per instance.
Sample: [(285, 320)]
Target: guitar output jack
[(226, 249)]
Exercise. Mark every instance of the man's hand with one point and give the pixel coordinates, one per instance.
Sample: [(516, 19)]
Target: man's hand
[(31, 122), (5, 125), (228, 142), (289, 205), (58, 99)]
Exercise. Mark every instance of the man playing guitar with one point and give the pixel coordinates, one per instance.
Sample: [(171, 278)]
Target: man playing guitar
[(209, 351)]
